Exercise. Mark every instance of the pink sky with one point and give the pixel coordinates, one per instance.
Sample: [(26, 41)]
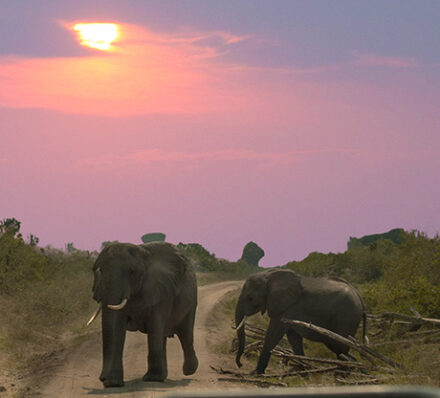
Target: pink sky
[(167, 134)]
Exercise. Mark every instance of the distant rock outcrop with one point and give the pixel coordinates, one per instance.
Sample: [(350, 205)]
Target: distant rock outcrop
[(252, 254), (396, 235), (153, 237)]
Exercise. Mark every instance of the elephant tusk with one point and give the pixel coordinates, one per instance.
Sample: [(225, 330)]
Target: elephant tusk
[(95, 314), (241, 323), (118, 306)]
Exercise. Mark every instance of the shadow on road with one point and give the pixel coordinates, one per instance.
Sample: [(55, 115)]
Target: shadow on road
[(138, 385)]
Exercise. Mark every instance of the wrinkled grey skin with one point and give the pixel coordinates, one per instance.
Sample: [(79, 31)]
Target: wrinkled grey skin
[(161, 289), (331, 303)]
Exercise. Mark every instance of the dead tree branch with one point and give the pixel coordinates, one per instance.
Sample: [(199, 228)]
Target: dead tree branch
[(352, 343), (393, 316), (305, 359)]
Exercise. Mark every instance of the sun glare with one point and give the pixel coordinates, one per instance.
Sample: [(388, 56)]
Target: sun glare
[(97, 35)]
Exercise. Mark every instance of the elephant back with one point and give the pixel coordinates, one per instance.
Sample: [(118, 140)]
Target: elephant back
[(168, 267)]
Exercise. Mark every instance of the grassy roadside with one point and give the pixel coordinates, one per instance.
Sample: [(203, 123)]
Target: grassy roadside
[(41, 313)]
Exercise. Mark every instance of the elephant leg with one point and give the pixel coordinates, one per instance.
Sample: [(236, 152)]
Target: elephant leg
[(164, 355), (341, 350), (186, 337), (157, 363), (274, 333), (296, 341), (113, 339)]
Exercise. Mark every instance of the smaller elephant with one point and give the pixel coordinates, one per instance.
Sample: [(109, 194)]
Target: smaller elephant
[(331, 303)]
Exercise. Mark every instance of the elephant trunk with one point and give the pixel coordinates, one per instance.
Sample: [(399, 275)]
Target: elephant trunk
[(113, 338), (241, 336)]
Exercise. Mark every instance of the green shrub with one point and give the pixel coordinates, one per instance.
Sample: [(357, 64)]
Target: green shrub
[(21, 263)]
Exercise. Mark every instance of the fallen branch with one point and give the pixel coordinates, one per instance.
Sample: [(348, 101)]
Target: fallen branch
[(359, 382), (227, 371), (352, 343), (420, 339), (391, 316), (258, 382), (241, 375), (303, 358), (424, 332), (253, 346), (356, 374), (287, 356), (307, 372)]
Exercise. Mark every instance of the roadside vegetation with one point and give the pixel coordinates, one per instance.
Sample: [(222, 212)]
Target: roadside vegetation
[(44, 300), (45, 297)]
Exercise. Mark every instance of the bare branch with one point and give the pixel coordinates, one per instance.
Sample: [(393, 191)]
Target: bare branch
[(255, 381), (352, 343)]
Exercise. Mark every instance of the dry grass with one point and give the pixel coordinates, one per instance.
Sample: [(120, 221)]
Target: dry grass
[(42, 317)]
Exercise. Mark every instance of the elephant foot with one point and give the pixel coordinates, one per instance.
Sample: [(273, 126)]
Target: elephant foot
[(111, 380), (190, 365), (150, 376), (113, 383), (257, 372)]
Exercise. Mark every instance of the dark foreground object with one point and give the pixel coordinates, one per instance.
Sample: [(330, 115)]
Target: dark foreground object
[(326, 392)]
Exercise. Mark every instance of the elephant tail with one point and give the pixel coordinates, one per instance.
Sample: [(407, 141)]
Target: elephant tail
[(364, 329)]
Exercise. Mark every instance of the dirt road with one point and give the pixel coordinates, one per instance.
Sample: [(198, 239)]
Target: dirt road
[(78, 374)]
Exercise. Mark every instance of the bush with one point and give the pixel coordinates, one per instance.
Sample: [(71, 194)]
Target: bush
[(43, 292), (21, 263), (392, 276), (411, 278)]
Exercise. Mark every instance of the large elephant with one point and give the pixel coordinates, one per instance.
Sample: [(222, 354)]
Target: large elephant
[(149, 288), (331, 303)]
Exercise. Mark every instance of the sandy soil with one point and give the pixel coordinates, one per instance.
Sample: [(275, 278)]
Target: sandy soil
[(75, 373)]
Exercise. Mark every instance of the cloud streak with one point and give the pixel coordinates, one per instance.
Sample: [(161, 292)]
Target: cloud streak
[(375, 60), (157, 156)]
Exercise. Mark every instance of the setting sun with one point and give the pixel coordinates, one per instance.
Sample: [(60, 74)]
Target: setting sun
[(97, 35)]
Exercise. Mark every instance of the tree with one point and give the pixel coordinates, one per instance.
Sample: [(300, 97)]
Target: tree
[(33, 240), (202, 258), (10, 226), (70, 248), (396, 235)]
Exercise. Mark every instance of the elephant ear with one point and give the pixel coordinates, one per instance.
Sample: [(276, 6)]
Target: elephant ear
[(164, 273), (284, 290)]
